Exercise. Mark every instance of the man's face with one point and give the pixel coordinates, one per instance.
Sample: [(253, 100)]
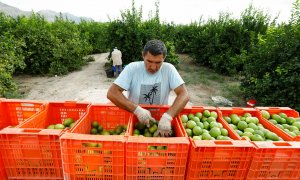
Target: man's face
[(152, 62)]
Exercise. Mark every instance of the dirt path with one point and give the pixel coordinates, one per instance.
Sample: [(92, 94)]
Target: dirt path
[(89, 84)]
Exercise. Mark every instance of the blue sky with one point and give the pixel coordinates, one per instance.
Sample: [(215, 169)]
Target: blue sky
[(178, 11)]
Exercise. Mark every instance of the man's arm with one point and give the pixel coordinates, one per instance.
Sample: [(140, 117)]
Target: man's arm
[(116, 96), (180, 101), (164, 125)]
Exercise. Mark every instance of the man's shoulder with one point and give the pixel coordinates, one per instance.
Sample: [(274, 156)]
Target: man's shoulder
[(167, 65), (135, 64)]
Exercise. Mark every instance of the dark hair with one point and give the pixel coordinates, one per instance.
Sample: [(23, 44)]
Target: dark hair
[(155, 47)]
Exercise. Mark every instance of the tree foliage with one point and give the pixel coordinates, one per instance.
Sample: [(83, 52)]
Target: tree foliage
[(272, 68), (221, 43), (96, 34), (11, 57), (130, 34), (70, 49)]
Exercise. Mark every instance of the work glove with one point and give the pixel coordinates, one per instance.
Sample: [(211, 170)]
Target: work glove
[(164, 126), (143, 115)]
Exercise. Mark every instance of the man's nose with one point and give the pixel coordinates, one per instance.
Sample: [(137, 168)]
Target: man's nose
[(152, 66)]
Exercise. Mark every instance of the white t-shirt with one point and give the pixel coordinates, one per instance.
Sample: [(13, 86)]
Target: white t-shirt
[(116, 57), (146, 88)]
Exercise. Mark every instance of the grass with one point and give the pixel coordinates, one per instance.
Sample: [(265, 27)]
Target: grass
[(20, 93), (209, 83)]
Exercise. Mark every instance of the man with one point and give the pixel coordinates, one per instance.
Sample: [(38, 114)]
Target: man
[(150, 82), (116, 57)]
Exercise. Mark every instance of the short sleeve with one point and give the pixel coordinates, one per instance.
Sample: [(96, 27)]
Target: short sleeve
[(174, 77), (125, 78)]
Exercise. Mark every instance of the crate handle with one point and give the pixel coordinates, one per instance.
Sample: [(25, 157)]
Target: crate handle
[(70, 103), (27, 104), (92, 144), (115, 108), (284, 143), (31, 130), (157, 147), (32, 140), (223, 142)]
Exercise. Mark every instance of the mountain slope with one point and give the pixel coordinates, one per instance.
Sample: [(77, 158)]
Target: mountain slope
[(12, 11), (48, 14)]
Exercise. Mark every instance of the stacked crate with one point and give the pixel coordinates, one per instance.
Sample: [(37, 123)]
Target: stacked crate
[(12, 113), (167, 162), (89, 156), (30, 151), (217, 159)]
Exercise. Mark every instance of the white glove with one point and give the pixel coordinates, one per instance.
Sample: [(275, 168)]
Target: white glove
[(143, 115), (164, 125)]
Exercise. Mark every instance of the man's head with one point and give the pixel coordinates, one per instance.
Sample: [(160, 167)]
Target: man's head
[(154, 54)]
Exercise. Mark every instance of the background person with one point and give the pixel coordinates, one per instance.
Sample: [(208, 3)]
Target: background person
[(116, 57)]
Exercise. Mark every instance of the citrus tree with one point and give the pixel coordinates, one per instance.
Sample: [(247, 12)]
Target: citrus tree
[(272, 70), (11, 57), (70, 48), (39, 42), (96, 34)]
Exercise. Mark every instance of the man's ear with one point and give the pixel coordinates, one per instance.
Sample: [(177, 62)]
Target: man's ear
[(143, 54), (165, 58)]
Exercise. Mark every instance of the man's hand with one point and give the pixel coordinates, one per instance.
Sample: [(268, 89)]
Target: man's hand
[(143, 115), (164, 126)]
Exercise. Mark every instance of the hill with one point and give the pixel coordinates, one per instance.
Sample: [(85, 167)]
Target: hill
[(48, 14)]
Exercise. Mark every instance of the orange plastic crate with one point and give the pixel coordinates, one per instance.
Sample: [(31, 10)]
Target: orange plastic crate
[(212, 159), (145, 163), (2, 169), (57, 112), (196, 109), (14, 111), (227, 111), (32, 152), (289, 112), (275, 160), (107, 160)]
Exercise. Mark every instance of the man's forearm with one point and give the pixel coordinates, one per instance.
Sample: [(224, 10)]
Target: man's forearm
[(179, 103), (121, 101)]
